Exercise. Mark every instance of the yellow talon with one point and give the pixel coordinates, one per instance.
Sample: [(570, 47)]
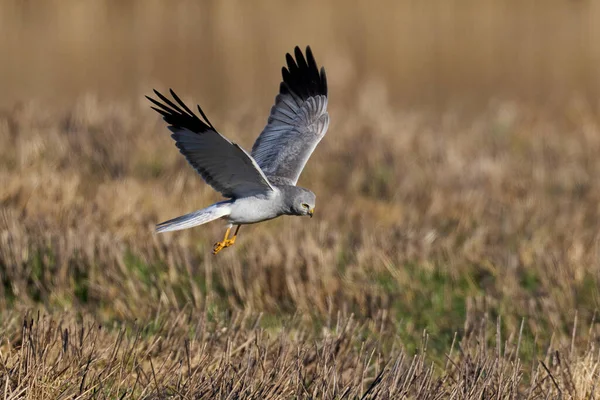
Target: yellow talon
[(225, 242), (218, 247), (221, 245)]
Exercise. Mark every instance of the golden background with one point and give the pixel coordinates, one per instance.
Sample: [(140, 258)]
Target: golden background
[(455, 248), (425, 52)]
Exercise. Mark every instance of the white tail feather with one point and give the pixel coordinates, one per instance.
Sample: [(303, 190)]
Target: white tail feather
[(199, 217)]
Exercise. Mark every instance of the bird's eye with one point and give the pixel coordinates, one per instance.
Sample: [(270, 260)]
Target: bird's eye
[(305, 205)]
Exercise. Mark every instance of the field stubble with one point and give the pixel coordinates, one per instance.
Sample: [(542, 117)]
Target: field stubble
[(433, 231), (454, 250)]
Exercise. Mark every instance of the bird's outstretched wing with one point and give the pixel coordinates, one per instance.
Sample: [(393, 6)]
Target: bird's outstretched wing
[(224, 165), (298, 120)]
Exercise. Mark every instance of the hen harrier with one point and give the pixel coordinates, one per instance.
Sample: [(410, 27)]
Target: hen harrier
[(261, 185)]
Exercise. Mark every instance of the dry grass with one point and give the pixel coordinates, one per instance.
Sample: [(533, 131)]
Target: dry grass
[(454, 252), (454, 220), (206, 359), (192, 356)]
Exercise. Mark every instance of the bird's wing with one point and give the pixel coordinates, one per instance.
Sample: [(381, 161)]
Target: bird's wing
[(298, 120), (224, 165)]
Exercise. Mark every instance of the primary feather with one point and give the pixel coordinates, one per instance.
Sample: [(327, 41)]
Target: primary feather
[(222, 164), (298, 120)]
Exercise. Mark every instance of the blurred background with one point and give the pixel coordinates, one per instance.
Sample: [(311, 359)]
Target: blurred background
[(458, 178), (227, 53)]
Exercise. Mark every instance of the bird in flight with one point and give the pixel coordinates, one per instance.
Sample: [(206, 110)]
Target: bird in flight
[(261, 185)]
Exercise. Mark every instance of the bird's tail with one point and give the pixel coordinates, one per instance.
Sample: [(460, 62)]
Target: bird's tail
[(199, 217)]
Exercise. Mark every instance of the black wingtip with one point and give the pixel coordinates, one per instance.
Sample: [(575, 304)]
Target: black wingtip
[(179, 116), (161, 112), (300, 61), (181, 103), (302, 75), (324, 81), (291, 63)]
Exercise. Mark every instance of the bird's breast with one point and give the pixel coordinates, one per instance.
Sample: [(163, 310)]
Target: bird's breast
[(254, 209)]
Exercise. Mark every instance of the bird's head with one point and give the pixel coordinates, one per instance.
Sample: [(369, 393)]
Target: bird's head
[(303, 202)]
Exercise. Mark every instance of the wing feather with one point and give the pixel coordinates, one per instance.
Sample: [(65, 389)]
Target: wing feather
[(297, 122), (224, 165)]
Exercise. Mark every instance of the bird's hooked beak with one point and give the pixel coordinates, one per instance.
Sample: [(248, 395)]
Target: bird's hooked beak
[(311, 212)]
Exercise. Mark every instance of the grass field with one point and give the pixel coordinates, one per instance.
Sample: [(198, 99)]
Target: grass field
[(454, 251), (472, 233)]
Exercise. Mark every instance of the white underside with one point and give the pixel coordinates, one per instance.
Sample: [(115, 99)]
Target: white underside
[(250, 210), (246, 210)]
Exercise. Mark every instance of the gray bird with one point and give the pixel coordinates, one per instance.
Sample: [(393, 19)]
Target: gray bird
[(261, 185)]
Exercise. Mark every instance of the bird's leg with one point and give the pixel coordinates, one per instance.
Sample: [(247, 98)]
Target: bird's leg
[(231, 241), (222, 244)]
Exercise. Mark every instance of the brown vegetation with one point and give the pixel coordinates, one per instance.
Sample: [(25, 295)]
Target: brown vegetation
[(453, 253)]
